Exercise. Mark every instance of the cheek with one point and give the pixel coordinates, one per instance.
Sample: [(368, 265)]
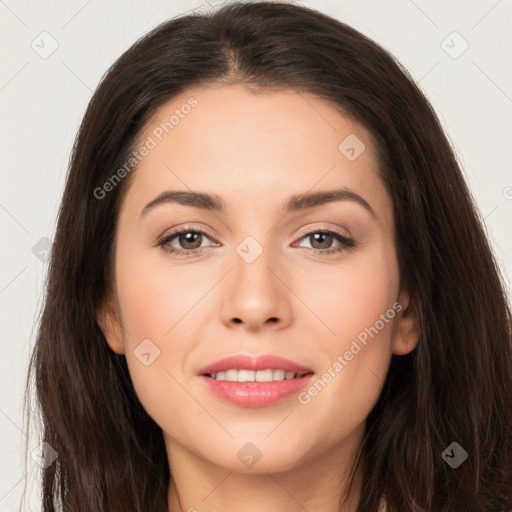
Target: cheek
[(351, 297), (155, 311), (365, 324), (359, 308), (154, 355), (155, 299), (364, 299)]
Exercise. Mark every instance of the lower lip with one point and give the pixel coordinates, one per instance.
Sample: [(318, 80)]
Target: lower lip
[(255, 394)]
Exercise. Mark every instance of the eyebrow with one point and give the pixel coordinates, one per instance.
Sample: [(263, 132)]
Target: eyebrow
[(298, 202)]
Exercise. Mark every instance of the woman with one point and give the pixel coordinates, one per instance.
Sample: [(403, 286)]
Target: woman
[(194, 354)]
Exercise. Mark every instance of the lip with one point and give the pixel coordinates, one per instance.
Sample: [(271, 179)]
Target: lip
[(245, 362), (255, 394)]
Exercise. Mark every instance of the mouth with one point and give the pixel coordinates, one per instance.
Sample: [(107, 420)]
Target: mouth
[(248, 381), (255, 393)]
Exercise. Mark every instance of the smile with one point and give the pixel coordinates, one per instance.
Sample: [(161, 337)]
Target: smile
[(268, 375)]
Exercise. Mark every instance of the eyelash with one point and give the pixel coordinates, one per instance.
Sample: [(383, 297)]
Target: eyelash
[(347, 243)]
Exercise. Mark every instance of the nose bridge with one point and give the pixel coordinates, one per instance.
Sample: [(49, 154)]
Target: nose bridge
[(255, 249), (255, 259)]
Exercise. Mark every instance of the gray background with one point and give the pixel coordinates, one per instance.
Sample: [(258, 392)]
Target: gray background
[(43, 98)]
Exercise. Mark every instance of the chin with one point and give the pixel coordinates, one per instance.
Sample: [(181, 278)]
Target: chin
[(255, 454)]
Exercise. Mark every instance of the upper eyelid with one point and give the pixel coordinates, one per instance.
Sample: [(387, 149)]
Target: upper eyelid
[(338, 231)]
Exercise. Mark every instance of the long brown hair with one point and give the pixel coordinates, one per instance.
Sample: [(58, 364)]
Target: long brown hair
[(456, 386)]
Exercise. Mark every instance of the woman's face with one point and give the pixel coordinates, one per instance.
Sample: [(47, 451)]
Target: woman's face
[(257, 277)]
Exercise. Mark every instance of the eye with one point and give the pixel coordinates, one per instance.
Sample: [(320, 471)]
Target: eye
[(321, 241), (190, 239)]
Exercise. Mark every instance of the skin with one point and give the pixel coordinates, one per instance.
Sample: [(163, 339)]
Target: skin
[(255, 150)]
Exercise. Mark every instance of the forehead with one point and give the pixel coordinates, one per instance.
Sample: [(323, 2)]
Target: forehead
[(254, 148)]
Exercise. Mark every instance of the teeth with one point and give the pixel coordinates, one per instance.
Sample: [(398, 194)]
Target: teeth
[(231, 375), (269, 375)]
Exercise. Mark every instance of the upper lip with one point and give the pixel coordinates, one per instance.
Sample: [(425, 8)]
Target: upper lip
[(255, 363)]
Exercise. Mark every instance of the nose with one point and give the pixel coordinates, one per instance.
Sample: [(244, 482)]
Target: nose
[(256, 294)]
